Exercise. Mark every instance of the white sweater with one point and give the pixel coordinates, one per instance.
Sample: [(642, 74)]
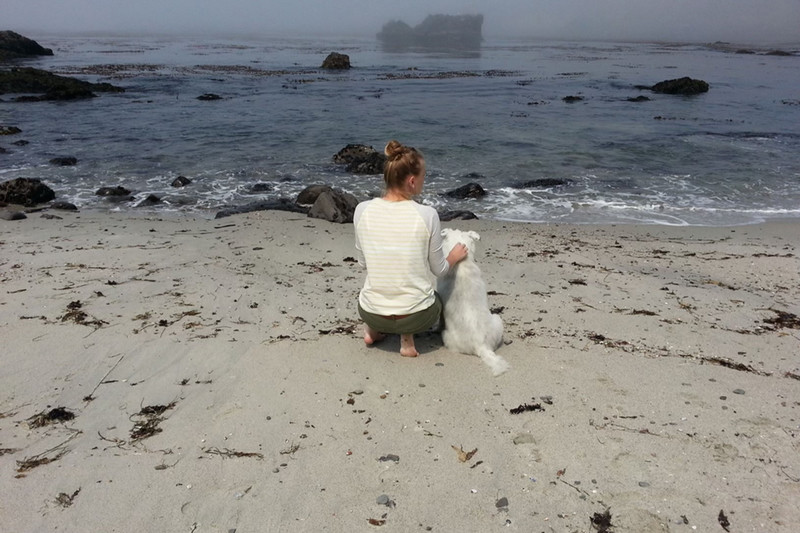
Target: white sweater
[(400, 243)]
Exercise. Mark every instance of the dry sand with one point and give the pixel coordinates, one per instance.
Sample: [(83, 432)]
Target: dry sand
[(218, 382)]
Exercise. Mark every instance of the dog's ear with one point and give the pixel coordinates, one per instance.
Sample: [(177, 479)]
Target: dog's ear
[(474, 235)]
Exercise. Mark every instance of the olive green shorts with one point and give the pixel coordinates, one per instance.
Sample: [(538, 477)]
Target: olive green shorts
[(410, 324)]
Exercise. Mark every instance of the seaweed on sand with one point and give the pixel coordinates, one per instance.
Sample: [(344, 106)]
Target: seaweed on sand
[(146, 421), (53, 416)]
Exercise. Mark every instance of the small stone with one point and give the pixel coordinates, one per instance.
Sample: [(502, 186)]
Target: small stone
[(383, 499), (422, 385), (439, 364), (276, 470), (501, 503), (644, 484), (389, 457), (738, 391)]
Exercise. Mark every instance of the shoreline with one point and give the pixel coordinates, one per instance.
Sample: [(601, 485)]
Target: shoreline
[(665, 377)]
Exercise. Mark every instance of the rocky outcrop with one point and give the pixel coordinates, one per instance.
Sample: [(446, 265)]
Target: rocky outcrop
[(14, 46), (48, 86), (334, 206), (461, 32), (336, 61), (447, 216), (470, 190), (681, 86), (360, 159), (25, 191)]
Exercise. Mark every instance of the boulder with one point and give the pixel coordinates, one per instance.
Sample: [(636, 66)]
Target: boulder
[(572, 99), (113, 191), (48, 86), (310, 194), (282, 204), (63, 206), (9, 130), (334, 206), (8, 214), (446, 216), (25, 191), (149, 201), (64, 161), (208, 97), (360, 159), (13, 46), (336, 61), (470, 190), (682, 86), (258, 188), (181, 181)]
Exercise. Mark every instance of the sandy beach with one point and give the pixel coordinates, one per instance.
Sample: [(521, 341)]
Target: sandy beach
[(191, 375)]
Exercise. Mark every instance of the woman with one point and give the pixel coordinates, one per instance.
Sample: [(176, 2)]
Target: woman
[(400, 243)]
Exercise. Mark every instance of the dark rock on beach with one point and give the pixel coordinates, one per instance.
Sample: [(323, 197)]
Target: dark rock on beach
[(25, 191), (64, 161), (14, 46), (27, 80), (8, 214), (470, 190), (543, 183), (63, 206), (446, 216), (310, 194), (336, 61), (360, 159), (681, 86), (334, 206), (282, 204), (181, 181)]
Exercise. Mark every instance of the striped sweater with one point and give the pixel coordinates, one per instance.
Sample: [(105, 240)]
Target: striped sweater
[(400, 243)]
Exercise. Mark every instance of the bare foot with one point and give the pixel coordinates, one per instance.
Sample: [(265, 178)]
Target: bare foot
[(407, 348), (371, 336)]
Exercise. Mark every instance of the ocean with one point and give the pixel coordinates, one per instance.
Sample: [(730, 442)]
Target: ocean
[(496, 116)]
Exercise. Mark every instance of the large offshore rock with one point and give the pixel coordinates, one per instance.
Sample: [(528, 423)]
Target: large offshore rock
[(436, 31), (48, 86), (14, 46)]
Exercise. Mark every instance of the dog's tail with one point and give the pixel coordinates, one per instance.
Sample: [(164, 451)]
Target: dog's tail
[(493, 361)]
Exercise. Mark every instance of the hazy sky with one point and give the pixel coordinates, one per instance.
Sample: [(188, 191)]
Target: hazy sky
[(741, 21)]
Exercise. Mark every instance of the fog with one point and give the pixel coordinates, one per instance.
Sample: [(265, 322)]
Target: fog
[(739, 21)]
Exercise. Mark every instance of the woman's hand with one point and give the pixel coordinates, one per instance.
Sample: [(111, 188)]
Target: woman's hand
[(458, 253)]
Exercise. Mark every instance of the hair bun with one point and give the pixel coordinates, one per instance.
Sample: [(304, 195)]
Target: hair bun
[(394, 150)]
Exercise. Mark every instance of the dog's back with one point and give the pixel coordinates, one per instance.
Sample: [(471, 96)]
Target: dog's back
[(469, 326)]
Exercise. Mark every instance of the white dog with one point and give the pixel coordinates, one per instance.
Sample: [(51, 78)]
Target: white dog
[(469, 326)]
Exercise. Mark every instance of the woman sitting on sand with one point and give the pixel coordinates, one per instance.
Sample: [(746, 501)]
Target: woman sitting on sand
[(400, 242)]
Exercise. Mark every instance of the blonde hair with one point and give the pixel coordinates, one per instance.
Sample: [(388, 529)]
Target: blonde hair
[(401, 162)]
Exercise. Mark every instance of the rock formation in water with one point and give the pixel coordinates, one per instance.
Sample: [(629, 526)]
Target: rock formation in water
[(15, 46), (461, 32)]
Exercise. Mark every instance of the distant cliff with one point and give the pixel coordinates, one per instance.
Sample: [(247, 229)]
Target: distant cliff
[(436, 31)]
